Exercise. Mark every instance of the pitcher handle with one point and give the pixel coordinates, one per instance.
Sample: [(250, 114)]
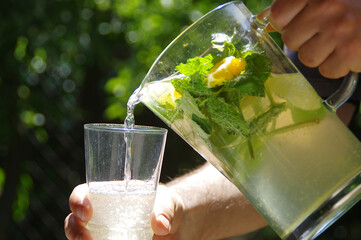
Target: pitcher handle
[(262, 20), (342, 94), (348, 86)]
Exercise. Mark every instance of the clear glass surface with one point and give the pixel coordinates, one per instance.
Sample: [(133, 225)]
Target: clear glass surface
[(291, 156), (122, 172)]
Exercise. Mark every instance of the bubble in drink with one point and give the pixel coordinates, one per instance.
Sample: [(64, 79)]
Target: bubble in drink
[(268, 133), (120, 213)]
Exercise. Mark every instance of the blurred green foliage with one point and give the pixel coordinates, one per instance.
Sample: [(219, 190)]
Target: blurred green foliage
[(55, 44), (22, 202), (2, 179)]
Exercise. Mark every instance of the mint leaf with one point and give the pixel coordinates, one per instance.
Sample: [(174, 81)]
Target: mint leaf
[(233, 97), (229, 49), (261, 122), (191, 110), (224, 115), (222, 105), (196, 70), (189, 105), (197, 65), (180, 84), (259, 66), (198, 88), (257, 71), (194, 85), (202, 122), (248, 85)]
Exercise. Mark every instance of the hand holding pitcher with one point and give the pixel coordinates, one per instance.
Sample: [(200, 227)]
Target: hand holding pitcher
[(226, 88), (326, 34)]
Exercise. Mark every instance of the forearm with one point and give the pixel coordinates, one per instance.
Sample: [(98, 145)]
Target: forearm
[(214, 207)]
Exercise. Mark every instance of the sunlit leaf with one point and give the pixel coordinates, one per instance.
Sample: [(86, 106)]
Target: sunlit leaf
[(21, 204)]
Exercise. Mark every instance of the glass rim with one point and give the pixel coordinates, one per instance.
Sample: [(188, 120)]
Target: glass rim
[(115, 127)]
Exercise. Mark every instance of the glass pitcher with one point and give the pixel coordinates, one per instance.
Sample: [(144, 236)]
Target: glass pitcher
[(228, 90)]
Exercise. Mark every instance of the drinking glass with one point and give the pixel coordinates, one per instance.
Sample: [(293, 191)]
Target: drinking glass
[(122, 172), (279, 143)]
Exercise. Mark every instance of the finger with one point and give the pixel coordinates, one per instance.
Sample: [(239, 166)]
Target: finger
[(163, 212), (301, 29), (331, 70), (316, 50), (160, 224), (344, 59), (335, 31), (316, 17), (283, 11), (167, 237), (74, 229), (167, 212), (80, 204)]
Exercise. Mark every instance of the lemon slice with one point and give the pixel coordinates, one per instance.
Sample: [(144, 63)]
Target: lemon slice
[(163, 92), (295, 89), (225, 70)]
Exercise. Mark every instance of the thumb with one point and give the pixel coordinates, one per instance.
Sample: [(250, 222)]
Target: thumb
[(167, 212)]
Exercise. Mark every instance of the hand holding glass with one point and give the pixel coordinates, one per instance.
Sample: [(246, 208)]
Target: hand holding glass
[(122, 172)]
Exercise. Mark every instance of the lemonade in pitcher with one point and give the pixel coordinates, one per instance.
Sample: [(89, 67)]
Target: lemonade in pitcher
[(269, 133)]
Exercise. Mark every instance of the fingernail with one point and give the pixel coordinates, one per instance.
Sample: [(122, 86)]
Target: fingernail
[(164, 221), (80, 214)]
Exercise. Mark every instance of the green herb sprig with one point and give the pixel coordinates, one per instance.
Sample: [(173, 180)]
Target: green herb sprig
[(220, 104)]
